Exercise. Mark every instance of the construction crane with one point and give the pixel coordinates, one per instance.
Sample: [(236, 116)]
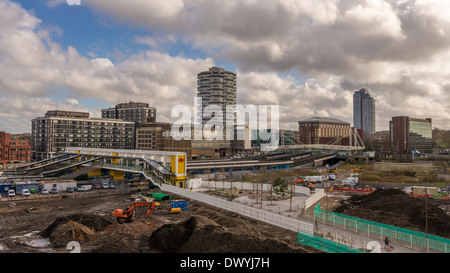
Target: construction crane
[(126, 215)]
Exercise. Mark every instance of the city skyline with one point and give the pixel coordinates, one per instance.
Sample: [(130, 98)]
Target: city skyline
[(307, 57)]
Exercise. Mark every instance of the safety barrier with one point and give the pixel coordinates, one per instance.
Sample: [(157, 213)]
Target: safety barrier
[(258, 214), (316, 197), (324, 244), (405, 237)]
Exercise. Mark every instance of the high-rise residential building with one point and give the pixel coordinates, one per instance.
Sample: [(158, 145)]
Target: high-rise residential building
[(138, 112), (323, 130), (60, 129), (364, 112), (408, 135), (216, 87), (14, 149)]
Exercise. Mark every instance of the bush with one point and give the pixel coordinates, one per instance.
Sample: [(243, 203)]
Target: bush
[(280, 185)]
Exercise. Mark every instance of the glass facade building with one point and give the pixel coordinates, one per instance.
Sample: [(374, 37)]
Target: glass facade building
[(410, 135), (364, 112)]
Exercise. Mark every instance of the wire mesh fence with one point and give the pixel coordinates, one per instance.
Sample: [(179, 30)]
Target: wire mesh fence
[(408, 238)]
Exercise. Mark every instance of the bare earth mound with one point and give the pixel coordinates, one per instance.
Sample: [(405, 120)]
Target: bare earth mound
[(199, 234), (395, 207), (71, 231), (75, 227)]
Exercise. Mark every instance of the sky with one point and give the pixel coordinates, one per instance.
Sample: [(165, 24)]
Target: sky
[(308, 57)]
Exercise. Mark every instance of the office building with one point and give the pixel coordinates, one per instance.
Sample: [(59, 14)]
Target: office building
[(14, 149), (322, 130), (60, 129), (138, 112), (408, 135), (364, 112), (379, 141), (157, 136)]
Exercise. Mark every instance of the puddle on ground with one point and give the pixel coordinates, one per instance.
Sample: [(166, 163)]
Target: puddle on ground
[(32, 239)]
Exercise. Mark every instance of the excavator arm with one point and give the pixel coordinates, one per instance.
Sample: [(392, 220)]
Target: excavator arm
[(127, 214)]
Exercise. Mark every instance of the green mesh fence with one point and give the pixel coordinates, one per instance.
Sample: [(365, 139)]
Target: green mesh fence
[(409, 238), (324, 244)]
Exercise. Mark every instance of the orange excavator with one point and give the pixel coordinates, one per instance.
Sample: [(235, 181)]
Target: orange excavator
[(126, 215)]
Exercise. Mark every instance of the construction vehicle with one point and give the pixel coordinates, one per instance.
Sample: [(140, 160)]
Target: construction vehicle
[(330, 171), (126, 215)]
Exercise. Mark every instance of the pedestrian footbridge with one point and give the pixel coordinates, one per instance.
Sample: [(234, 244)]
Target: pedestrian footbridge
[(158, 167)]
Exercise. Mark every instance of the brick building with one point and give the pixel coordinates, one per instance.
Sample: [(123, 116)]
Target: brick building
[(322, 130), (14, 149), (156, 136)]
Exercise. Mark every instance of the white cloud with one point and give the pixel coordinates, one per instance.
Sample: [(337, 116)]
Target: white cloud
[(399, 50)]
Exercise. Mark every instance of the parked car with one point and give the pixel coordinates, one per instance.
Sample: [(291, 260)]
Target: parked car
[(111, 185), (97, 186), (54, 191), (105, 185), (44, 191), (85, 188), (26, 192), (11, 193), (69, 189)]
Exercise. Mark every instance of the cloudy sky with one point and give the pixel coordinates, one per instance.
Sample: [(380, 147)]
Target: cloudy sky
[(308, 57)]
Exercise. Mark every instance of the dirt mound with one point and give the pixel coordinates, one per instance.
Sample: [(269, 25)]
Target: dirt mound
[(96, 223), (135, 227), (199, 234), (395, 207), (71, 231), (170, 238), (125, 238)]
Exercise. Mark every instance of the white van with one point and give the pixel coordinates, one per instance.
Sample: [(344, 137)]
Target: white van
[(105, 185), (350, 181), (11, 193), (85, 188), (26, 192)]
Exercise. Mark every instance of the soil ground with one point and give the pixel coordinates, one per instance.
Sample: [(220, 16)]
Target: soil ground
[(395, 207), (48, 225)]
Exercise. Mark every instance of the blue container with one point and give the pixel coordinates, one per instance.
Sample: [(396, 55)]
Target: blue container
[(5, 187), (182, 204)]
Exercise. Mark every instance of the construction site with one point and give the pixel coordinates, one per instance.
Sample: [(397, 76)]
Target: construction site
[(263, 213), (52, 224), (48, 225)]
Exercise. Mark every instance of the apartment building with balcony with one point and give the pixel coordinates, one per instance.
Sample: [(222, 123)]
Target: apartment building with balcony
[(138, 112), (216, 87), (60, 129)]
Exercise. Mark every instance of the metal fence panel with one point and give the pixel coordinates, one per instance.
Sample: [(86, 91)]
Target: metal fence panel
[(258, 214)]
